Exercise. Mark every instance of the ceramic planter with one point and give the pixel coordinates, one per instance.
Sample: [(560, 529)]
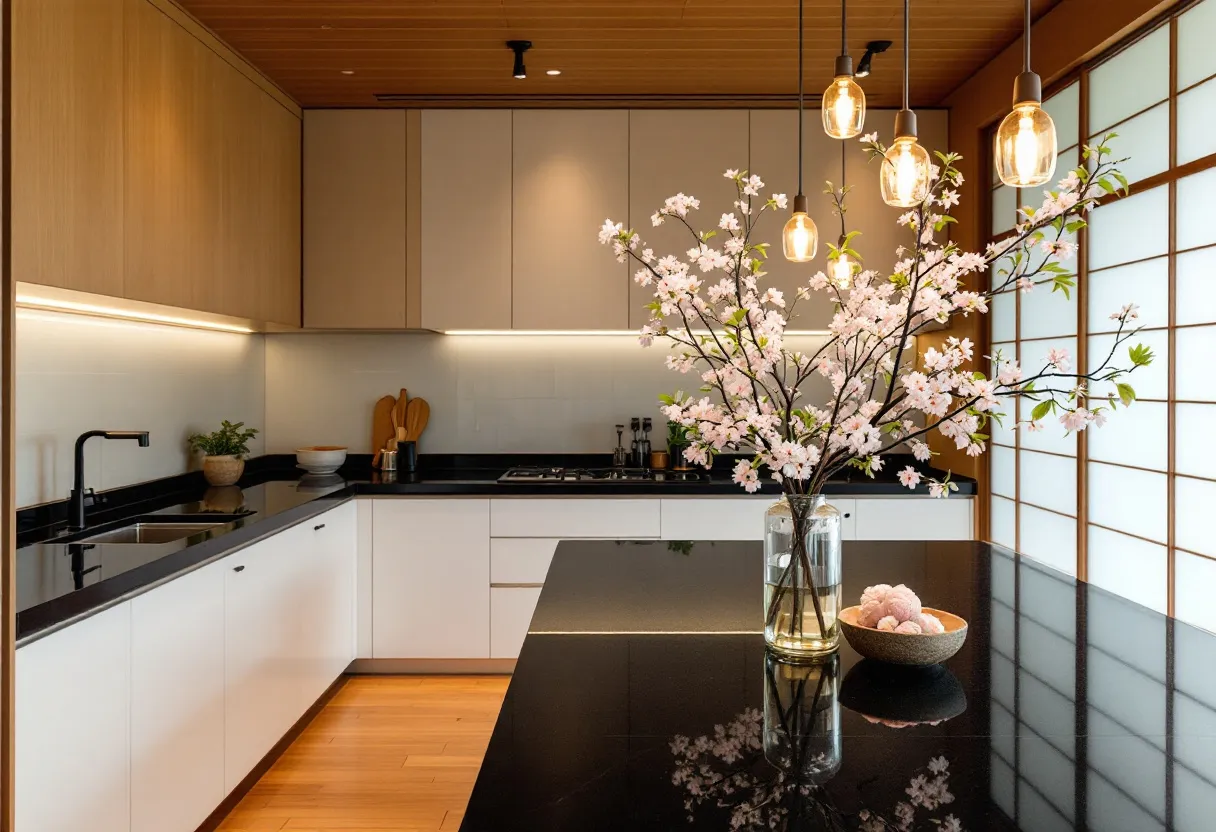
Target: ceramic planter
[(223, 470)]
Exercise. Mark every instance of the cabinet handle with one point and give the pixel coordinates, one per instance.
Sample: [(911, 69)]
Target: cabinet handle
[(240, 568), (318, 528)]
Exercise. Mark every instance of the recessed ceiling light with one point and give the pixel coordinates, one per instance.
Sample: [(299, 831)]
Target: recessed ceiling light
[(553, 72), (348, 72), (326, 26)]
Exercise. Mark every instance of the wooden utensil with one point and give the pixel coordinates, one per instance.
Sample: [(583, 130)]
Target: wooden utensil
[(382, 425), (399, 407), (417, 414)]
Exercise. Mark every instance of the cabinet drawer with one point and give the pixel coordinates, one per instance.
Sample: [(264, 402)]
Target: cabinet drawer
[(734, 518), (510, 614), (520, 560), (914, 518), (570, 518)]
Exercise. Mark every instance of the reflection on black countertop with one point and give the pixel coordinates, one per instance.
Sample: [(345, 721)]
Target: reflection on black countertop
[(643, 699), (59, 581)]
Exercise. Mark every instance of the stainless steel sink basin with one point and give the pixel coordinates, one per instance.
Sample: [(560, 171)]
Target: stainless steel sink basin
[(151, 533)]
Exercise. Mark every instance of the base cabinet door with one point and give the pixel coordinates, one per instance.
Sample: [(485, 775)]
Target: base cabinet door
[(177, 702), (329, 596), (511, 611), (261, 653), (914, 518), (431, 561), (73, 727)]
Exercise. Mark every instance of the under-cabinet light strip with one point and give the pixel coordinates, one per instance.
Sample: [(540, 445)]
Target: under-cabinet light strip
[(596, 332), (57, 305)]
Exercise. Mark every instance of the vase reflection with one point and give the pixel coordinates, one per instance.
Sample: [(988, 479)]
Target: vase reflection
[(802, 718)]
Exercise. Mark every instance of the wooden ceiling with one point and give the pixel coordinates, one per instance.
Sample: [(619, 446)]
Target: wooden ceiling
[(610, 52)]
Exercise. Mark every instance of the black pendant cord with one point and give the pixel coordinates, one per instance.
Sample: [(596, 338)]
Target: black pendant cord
[(844, 27), (907, 16), (843, 188), (1026, 41), (800, 2)]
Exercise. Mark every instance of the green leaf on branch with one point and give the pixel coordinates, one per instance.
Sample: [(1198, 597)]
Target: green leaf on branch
[(1140, 355), (1062, 283), (1126, 394), (1122, 181), (1041, 410), (943, 222)]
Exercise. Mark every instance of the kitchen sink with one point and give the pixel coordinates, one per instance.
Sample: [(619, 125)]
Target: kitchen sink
[(151, 533)]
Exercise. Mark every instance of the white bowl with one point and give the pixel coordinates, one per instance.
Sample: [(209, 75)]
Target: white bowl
[(321, 459)]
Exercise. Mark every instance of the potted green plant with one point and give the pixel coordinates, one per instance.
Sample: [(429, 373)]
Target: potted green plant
[(224, 451), (677, 441)]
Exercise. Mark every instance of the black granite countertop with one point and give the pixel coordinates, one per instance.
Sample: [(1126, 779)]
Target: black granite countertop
[(59, 581), (643, 699)]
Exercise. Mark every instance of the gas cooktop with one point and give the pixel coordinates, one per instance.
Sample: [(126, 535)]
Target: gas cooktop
[(597, 475)]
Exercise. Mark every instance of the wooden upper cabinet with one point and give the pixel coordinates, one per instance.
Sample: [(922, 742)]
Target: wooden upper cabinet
[(571, 171), (67, 134), (279, 154), (355, 219), (466, 219), (174, 118), (711, 141)]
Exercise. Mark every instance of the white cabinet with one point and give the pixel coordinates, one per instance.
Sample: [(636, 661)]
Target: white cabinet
[(623, 519), (914, 518), (73, 727), (323, 564), (520, 560), (511, 611), (177, 702), (734, 518), (261, 653), (431, 594)]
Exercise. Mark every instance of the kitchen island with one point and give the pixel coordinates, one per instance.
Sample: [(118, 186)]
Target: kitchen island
[(643, 699)]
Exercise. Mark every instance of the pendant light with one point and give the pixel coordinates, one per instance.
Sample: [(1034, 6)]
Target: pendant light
[(844, 101), (840, 269), (1025, 143), (800, 237), (905, 166)]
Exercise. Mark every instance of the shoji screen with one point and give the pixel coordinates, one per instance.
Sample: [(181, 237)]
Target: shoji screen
[(1125, 506)]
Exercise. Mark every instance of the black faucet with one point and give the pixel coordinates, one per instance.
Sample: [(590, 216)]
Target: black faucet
[(76, 502)]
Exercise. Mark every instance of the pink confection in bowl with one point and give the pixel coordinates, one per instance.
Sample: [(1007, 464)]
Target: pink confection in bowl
[(906, 647)]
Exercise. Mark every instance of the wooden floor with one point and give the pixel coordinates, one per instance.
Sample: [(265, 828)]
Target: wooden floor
[(387, 754)]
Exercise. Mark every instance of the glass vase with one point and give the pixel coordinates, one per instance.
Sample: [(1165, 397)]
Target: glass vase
[(802, 718), (802, 581)]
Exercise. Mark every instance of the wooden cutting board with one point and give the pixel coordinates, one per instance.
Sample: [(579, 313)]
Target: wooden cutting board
[(382, 425), (417, 414)]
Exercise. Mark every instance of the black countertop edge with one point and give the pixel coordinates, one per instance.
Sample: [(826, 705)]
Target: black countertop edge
[(710, 488), (42, 620)]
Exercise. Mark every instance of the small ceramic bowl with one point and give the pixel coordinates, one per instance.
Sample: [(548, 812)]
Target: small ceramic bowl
[(321, 459), (903, 648)]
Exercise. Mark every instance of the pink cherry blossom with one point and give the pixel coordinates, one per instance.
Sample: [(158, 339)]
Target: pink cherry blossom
[(909, 477)]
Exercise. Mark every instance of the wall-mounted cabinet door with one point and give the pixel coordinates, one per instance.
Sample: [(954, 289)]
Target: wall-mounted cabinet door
[(279, 200), (355, 219), (466, 219), (571, 171), (172, 163), (711, 141), (67, 122)]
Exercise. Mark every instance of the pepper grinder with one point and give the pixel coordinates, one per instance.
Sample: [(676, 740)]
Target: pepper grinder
[(635, 447), (644, 445), (619, 459)]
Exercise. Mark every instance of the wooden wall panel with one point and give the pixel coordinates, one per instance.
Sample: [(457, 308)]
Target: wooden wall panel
[(67, 132)]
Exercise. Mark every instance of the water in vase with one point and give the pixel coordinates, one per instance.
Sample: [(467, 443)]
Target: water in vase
[(802, 576)]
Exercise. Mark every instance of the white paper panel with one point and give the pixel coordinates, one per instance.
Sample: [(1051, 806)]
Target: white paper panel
[(1142, 143), (1002, 783), (1048, 314), (1121, 694), (1194, 524), (1002, 730), (1003, 473), (1037, 812), (1135, 634), (1111, 809), (1195, 276), (1134, 228), (1196, 215), (1151, 382), (1003, 316), (1052, 776), (1136, 435), (1196, 58), (1194, 379), (1002, 578), (1145, 284), (1004, 209), (1194, 670), (1195, 726), (1004, 432), (1048, 712), (1194, 578), (1129, 567), (1048, 481), (1003, 684), (1050, 600), (1194, 800), (1003, 630), (1065, 110), (1067, 160), (1194, 451), (1133, 766), (1049, 538), (1131, 81), (1197, 122), (1052, 437), (1128, 500)]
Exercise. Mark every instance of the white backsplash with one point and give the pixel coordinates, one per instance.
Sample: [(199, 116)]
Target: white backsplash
[(488, 393), (76, 373)]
